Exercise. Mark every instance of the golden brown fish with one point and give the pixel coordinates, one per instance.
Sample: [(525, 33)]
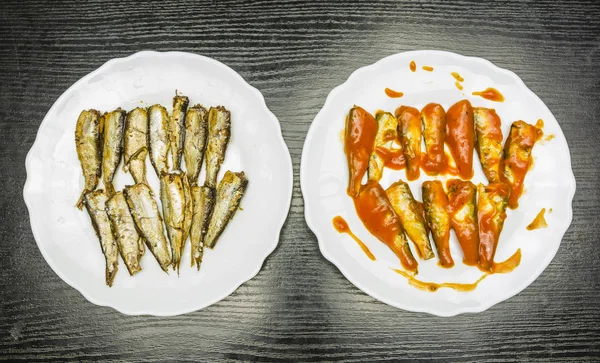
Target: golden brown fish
[(219, 132), (114, 129), (130, 243), (489, 141), (386, 136), (177, 129), (203, 202), (411, 136), (411, 217), (173, 202), (435, 203), (517, 158), (196, 135), (229, 194), (462, 208), (88, 142), (95, 203), (491, 214), (148, 221), (135, 146), (158, 138)]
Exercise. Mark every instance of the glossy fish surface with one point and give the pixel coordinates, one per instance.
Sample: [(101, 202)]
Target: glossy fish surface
[(135, 145), (229, 194), (89, 143), (114, 129), (219, 132), (158, 138), (203, 203), (95, 203), (177, 129)]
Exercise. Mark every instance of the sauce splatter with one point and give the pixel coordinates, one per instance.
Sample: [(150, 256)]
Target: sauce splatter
[(549, 137), (427, 68), (539, 221), (393, 94), (413, 66), (497, 268), (539, 124), (341, 226), (457, 76), (491, 94), (458, 85)]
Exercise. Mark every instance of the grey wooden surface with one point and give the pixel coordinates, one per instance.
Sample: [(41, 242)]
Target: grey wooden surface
[(300, 307)]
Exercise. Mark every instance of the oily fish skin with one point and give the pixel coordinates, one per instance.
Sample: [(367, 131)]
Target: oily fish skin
[(377, 214), (131, 245), (489, 141), (148, 222), (409, 129), (135, 145), (203, 203), (89, 143), (173, 202), (361, 129), (95, 203), (491, 214), (229, 194), (219, 133), (386, 135), (196, 136), (177, 129), (435, 203), (158, 138), (462, 208), (114, 130), (411, 217)]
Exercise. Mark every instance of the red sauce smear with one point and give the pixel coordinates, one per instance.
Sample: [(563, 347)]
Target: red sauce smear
[(491, 94), (341, 226), (427, 68), (413, 66), (393, 94), (393, 159), (501, 268)]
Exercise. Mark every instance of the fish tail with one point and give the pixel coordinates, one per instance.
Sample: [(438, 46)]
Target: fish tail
[(79, 204), (110, 275)]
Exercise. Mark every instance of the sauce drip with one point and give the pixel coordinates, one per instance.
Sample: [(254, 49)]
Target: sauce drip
[(392, 159), (457, 76), (413, 66), (458, 85), (341, 226), (539, 221), (393, 94), (491, 94), (497, 268), (549, 137), (539, 124), (427, 68)]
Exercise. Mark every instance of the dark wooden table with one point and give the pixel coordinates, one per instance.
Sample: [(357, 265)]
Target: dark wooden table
[(300, 307)]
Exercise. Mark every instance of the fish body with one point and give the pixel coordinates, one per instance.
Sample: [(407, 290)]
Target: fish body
[(129, 241), (462, 208), (489, 141), (219, 132), (460, 137), (203, 202), (409, 129), (229, 194), (517, 158), (135, 145), (89, 143), (173, 202), (95, 203), (114, 129), (433, 118), (385, 138), (158, 138), (177, 129), (148, 221), (435, 203), (196, 135), (491, 214), (411, 217), (361, 130), (377, 214)]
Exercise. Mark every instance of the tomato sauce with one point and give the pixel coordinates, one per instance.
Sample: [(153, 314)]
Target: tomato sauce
[(460, 137), (341, 226), (491, 94), (393, 94), (361, 129)]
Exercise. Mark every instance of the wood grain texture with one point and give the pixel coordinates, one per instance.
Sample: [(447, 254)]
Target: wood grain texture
[(300, 307)]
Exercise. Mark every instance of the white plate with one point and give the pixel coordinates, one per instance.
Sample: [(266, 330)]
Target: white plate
[(324, 175), (54, 180)]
